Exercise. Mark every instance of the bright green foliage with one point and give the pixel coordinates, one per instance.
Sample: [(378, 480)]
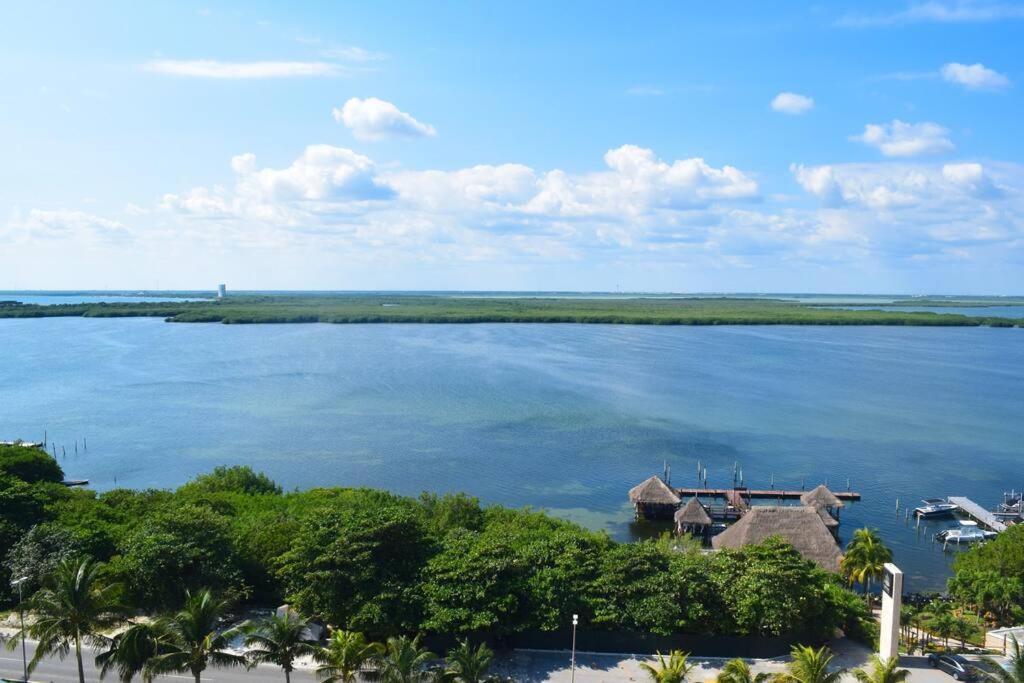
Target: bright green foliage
[(74, 607), (280, 640), (809, 666), (738, 671), (887, 671), (358, 565), (235, 479), (865, 558), (190, 641), (178, 549), (346, 654), (39, 552), (404, 661), (675, 669), (989, 576), (127, 652), (31, 465), (468, 664)]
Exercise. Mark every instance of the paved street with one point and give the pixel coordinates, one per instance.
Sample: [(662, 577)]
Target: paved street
[(524, 666)]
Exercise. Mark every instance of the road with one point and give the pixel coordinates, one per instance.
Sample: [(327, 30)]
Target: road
[(523, 666)]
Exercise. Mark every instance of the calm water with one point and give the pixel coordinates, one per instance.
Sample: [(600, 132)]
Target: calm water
[(72, 298), (565, 417)]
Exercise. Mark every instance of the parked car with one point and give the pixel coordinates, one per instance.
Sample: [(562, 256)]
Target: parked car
[(955, 665)]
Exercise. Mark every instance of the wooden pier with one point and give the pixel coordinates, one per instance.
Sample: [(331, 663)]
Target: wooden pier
[(766, 494), (977, 513)]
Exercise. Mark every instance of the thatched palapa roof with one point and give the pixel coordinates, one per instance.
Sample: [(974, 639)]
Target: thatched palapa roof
[(693, 514), (821, 497), (653, 491), (830, 521), (801, 527)]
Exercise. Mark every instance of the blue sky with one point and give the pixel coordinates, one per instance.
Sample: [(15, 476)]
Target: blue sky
[(870, 147)]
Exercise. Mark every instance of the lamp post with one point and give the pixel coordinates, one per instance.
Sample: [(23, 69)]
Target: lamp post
[(572, 664), (21, 611)]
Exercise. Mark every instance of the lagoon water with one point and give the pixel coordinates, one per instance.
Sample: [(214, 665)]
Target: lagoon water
[(562, 417)]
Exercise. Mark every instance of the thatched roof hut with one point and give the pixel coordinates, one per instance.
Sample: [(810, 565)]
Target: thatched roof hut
[(692, 516), (801, 527), (654, 499), (820, 496), (653, 491)]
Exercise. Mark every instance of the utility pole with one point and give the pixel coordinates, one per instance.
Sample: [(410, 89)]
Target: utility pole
[(572, 674)]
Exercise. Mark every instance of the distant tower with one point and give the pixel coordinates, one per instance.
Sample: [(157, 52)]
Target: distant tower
[(222, 291)]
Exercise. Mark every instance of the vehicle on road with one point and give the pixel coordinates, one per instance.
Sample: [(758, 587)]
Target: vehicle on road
[(955, 665)]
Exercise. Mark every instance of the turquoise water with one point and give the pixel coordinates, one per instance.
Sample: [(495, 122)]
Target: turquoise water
[(564, 417)]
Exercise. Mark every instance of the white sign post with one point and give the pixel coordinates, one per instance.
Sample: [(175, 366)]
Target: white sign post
[(892, 594)]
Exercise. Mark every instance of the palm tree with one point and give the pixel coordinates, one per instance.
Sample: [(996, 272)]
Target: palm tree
[(73, 606), (963, 630), (1014, 673), (345, 655), (673, 670), (738, 671), (280, 640), (128, 652), (192, 641), (865, 559), (809, 666), (944, 625), (882, 671), (404, 661), (467, 664)]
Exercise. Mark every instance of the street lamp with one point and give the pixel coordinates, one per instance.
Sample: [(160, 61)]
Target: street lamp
[(21, 611), (572, 670)]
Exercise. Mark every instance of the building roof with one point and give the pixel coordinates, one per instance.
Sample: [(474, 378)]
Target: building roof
[(830, 521), (822, 497), (801, 527), (693, 513), (653, 491)]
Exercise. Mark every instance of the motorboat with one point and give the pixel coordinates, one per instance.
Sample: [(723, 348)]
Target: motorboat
[(934, 507), (967, 532)]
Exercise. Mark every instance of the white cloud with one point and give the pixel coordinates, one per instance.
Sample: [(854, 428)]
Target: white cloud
[(974, 76), (66, 224), (900, 139), (209, 68), (375, 119), (792, 103), (934, 11)]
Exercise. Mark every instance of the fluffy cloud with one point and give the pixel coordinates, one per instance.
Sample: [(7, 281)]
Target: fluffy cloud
[(66, 224), (375, 119), (899, 139), (974, 76), (792, 103), (209, 68)]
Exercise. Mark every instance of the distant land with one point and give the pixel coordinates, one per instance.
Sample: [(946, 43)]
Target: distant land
[(479, 307)]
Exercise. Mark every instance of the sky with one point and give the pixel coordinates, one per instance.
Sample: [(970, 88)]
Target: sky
[(586, 146)]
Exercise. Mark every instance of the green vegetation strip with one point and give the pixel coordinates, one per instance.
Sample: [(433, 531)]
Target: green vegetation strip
[(383, 564), (378, 308)]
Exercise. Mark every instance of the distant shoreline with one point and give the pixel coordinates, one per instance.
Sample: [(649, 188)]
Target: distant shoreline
[(441, 309)]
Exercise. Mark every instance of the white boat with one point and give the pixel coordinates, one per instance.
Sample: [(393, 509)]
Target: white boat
[(967, 532), (935, 507)]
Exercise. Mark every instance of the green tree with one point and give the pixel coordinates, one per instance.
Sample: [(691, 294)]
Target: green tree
[(30, 465), (128, 652), (280, 640), (405, 661), (738, 671), (865, 558), (963, 630), (233, 479), (1014, 673), (346, 654), (809, 666), (468, 664), (74, 606), (192, 641), (39, 552), (675, 669), (187, 546), (943, 625), (886, 671)]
